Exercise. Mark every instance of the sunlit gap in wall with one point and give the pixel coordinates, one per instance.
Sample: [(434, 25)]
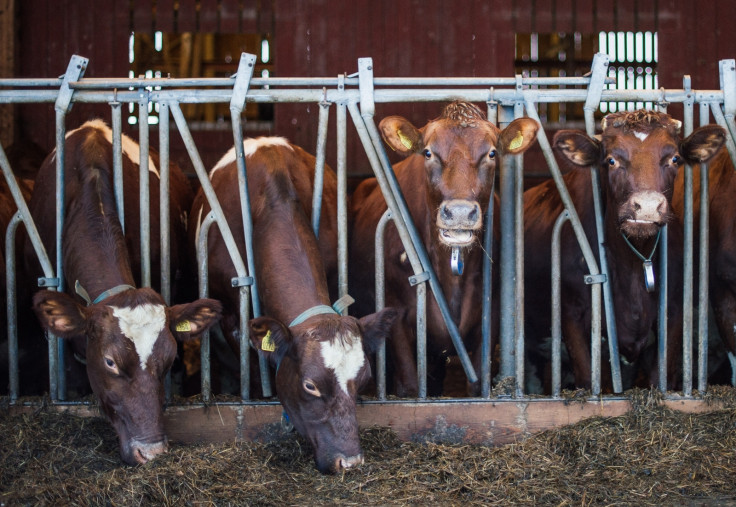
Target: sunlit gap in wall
[(633, 63)]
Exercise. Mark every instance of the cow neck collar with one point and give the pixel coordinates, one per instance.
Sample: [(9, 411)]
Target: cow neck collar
[(638, 254), (337, 308), (105, 294)]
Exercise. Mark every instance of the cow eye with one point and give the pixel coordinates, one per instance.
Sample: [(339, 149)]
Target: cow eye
[(676, 160), (492, 154), (611, 161), (427, 154), (311, 388), (111, 366)]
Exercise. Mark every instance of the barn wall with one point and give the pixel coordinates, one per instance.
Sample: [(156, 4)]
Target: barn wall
[(316, 38)]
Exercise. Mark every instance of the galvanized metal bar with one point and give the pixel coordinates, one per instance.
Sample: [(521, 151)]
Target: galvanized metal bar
[(143, 189), (422, 340), (662, 318), (704, 266), (12, 310), (556, 305), (365, 65), (485, 350), (203, 272), (237, 103), (117, 161), (164, 203), (727, 74), (721, 120), (57, 374), (342, 207), (380, 287), (507, 260), (687, 290), (319, 169), (599, 69), (519, 259)]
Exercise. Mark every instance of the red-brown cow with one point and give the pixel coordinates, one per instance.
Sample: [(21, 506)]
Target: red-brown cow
[(639, 155), (446, 181), (126, 335), (722, 241), (319, 356)]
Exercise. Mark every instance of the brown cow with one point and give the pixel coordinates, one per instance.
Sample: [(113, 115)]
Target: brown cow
[(639, 155), (446, 180), (722, 241), (320, 356), (126, 335)]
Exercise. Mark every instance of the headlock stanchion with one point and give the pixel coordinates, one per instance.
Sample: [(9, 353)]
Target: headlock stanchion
[(357, 94)]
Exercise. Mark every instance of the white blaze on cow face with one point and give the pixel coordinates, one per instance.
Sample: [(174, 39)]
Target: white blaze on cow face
[(141, 325), (345, 356), (250, 146), (641, 136)]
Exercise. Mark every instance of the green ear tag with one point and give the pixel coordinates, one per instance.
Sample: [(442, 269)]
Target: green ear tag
[(184, 326), (404, 140), (517, 141), (267, 344)]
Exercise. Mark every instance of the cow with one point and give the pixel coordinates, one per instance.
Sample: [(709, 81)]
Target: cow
[(722, 241), (126, 335), (319, 355), (638, 156), (446, 179)]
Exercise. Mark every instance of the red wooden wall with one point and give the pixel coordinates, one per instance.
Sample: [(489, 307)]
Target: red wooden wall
[(326, 37)]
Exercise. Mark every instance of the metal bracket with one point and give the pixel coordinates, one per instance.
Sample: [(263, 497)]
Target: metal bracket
[(242, 81), (419, 278), (48, 282), (728, 85), (74, 72), (243, 281), (365, 82), (591, 279), (598, 71)]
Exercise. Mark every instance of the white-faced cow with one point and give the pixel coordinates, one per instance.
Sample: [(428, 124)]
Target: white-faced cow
[(125, 334), (319, 355), (446, 180), (638, 156)]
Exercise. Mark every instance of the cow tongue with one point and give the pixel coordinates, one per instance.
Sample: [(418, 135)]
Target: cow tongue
[(456, 236)]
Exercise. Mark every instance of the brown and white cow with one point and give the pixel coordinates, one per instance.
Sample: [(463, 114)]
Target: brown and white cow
[(125, 334), (722, 241), (319, 356), (638, 156), (446, 180)]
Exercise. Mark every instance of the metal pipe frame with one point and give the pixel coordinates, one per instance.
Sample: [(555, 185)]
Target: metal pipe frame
[(12, 310), (203, 273), (319, 166), (380, 288), (556, 306), (703, 282)]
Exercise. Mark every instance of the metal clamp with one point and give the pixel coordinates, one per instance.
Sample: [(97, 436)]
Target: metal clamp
[(591, 279), (243, 281), (419, 278), (48, 282)]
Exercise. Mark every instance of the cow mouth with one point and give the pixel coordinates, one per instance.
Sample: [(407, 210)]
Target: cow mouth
[(638, 228), (457, 237)]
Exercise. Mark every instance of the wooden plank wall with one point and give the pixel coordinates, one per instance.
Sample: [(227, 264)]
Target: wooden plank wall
[(326, 38)]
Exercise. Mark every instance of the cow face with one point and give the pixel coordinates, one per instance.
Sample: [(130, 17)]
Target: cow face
[(461, 151), (130, 347), (640, 153), (321, 365)]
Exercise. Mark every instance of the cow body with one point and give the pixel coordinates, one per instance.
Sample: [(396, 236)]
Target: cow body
[(638, 157), (446, 180), (320, 361), (126, 335)]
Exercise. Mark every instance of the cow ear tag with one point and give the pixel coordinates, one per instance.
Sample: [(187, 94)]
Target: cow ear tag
[(404, 140), (184, 326), (517, 141), (267, 344)]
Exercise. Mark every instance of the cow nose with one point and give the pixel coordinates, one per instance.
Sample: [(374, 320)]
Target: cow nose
[(649, 206), (343, 463), (143, 453), (459, 214)]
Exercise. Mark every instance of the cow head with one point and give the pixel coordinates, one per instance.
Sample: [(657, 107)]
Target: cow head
[(130, 345), (461, 151), (640, 153), (321, 365)]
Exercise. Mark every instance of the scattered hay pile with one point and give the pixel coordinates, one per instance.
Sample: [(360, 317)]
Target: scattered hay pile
[(650, 456)]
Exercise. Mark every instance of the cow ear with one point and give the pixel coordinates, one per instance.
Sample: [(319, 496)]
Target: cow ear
[(60, 314), (377, 328), (401, 135), (703, 144), (271, 337), (518, 136), (190, 320), (577, 147)]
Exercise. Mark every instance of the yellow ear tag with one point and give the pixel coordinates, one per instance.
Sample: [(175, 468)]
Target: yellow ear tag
[(184, 326), (267, 344), (404, 140), (517, 141)]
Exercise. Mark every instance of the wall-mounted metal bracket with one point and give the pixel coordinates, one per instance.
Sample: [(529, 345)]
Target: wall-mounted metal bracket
[(48, 282), (417, 279), (591, 279), (242, 281)]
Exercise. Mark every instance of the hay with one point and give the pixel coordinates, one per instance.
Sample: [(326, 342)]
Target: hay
[(650, 456)]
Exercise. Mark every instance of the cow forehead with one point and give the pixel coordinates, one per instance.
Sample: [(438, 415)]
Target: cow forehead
[(141, 325), (344, 355), (448, 136)]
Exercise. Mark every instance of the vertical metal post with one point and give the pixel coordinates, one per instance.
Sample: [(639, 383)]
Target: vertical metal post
[(519, 260), (144, 184), (556, 306), (381, 300), (12, 311), (687, 292), (703, 282), (662, 319), (117, 161), (202, 265), (164, 202), (319, 169)]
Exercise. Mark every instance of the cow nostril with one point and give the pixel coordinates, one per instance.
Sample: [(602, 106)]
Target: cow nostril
[(446, 213), (473, 215), (637, 206)]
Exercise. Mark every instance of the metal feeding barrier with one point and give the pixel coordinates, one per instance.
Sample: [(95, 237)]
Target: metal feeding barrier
[(357, 94)]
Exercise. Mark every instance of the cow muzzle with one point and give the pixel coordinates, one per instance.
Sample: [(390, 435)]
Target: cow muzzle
[(142, 452), (458, 220), (643, 214), (343, 463)]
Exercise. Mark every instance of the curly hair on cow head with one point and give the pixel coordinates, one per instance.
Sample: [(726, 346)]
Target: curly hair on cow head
[(641, 120), (463, 113)]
